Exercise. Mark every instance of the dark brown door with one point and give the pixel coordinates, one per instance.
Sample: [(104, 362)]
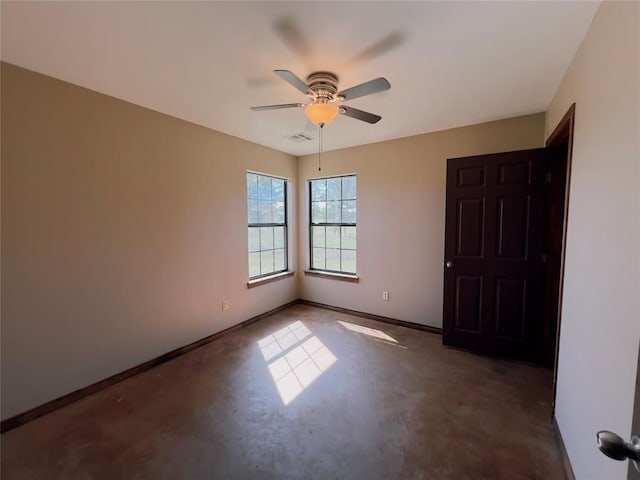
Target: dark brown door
[(494, 262)]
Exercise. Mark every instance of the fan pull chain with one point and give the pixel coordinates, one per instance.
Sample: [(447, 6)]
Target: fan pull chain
[(320, 146)]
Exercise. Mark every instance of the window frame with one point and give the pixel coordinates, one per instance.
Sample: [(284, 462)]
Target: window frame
[(285, 225), (315, 270)]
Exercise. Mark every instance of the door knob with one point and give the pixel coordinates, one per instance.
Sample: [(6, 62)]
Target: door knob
[(614, 446), (449, 264)]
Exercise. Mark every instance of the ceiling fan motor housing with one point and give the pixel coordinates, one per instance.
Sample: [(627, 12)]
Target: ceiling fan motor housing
[(324, 85)]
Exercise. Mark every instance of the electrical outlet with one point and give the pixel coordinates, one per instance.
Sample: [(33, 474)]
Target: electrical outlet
[(385, 296), (225, 305)]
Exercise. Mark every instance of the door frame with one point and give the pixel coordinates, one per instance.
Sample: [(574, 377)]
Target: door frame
[(562, 134)]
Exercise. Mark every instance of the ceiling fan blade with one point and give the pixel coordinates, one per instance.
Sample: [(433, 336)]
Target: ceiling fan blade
[(381, 47), (359, 114), (276, 107), (287, 76), (366, 88), (292, 36)]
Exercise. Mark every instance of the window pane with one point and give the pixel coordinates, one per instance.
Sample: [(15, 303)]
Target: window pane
[(278, 237), (318, 236), (266, 259), (319, 190), (333, 259), (333, 237), (318, 258), (277, 193), (254, 264), (266, 204), (349, 211), (333, 218), (266, 238), (254, 239), (264, 188), (349, 261), (278, 259), (334, 190), (349, 188), (278, 212), (318, 212), (333, 212), (252, 185), (252, 210), (266, 213), (349, 237)]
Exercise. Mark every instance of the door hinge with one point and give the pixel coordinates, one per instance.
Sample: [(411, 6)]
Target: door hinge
[(547, 177)]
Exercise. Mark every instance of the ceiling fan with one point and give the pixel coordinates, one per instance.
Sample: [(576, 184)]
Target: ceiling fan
[(322, 90)]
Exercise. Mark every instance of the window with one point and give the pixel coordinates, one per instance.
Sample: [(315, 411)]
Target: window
[(267, 212), (333, 224)]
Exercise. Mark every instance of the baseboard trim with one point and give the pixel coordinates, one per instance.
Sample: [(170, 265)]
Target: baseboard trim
[(371, 316), (33, 413), (566, 464)]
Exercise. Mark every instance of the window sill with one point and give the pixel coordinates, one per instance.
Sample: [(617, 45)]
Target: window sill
[(269, 279), (344, 277)]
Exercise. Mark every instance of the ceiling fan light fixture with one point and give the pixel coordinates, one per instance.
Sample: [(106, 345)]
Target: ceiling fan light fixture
[(321, 113)]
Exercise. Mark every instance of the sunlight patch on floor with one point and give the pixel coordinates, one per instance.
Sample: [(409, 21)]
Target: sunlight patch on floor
[(297, 359), (372, 332)]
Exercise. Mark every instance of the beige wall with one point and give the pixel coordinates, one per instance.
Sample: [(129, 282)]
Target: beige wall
[(600, 314), (401, 200), (123, 231)]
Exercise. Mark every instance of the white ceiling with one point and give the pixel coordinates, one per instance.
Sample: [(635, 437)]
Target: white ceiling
[(449, 63)]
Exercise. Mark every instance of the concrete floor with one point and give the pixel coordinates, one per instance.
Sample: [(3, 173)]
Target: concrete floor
[(300, 395)]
